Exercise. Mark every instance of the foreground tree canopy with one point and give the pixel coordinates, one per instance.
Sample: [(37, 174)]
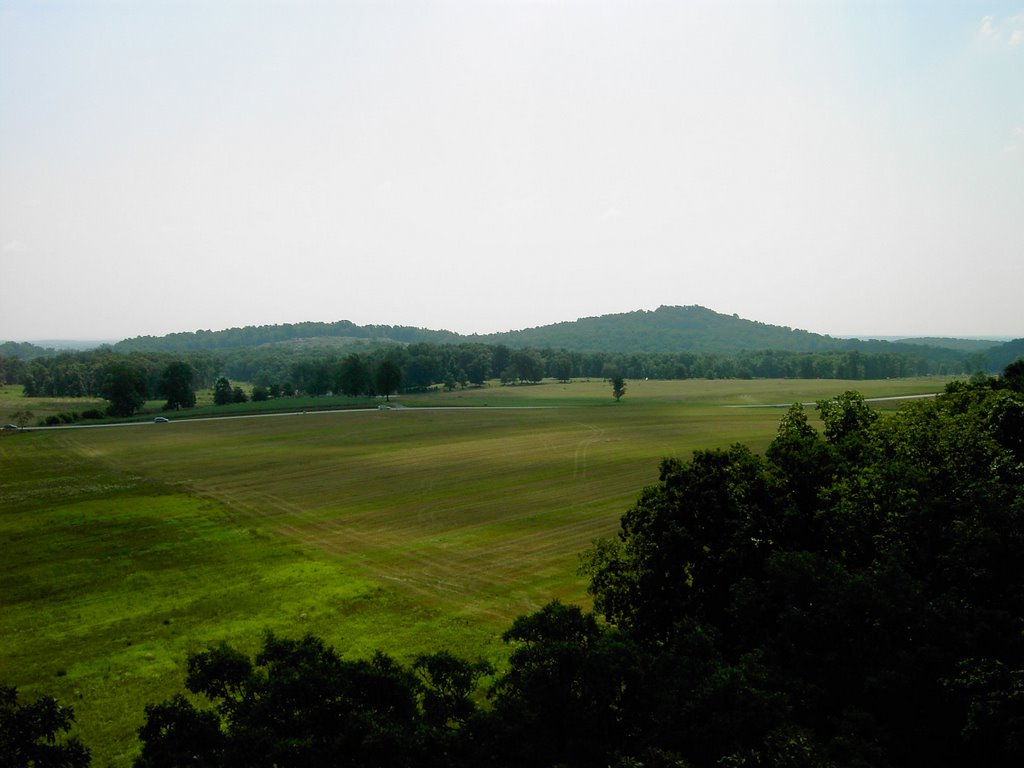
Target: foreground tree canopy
[(32, 733), (859, 595), (854, 597)]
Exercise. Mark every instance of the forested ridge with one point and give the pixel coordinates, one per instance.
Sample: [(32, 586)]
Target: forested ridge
[(853, 597), (667, 329), (253, 336)]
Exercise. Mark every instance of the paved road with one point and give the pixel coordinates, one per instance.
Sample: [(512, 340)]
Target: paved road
[(866, 400), (392, 407)]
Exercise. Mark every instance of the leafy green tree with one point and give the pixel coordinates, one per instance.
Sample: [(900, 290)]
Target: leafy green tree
[(222, 391), (260, 394), (176, 386), (297, 704), (125, 390), (314, 377), (527, 365), (1013, 375), (715, 503), (618, 387), (501, 360), (847, 419), (567, 697), (561, 366), (447, 684), (31, 734), (388, 378), (238, 395), (353, 376), (478, 368), (176, 734), (801, 463)]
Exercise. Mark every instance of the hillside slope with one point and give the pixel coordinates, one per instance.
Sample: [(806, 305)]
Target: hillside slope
[(259, 335), (668, 329)]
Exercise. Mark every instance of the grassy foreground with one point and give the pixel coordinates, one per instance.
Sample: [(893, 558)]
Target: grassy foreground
[(406, 530)]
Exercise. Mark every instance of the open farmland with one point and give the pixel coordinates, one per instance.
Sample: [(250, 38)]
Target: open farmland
[(405, 530)]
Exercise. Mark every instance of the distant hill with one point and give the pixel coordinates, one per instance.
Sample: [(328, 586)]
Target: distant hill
[(23, 350), (259, 335), (962, 345), (343, 343), (701, 330), (1001, 356), (668, 329)]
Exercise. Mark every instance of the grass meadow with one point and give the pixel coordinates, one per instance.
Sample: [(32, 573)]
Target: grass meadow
[(406, 530)]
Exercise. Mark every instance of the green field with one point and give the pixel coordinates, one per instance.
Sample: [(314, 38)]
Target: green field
[(406, 530)]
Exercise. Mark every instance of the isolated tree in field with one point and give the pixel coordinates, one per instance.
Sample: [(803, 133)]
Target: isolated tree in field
[(222, 391), (125, 389), (618, 387), (238, 395), (389, 378), (176, 386), (29, 733)]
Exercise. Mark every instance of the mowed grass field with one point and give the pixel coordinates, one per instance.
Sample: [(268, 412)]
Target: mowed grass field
[(405, 530)]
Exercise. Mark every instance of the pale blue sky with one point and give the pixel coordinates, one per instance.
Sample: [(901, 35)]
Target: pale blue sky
[(480, 166)]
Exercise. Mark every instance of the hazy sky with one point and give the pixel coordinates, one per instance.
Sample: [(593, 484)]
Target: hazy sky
[(843, 167)]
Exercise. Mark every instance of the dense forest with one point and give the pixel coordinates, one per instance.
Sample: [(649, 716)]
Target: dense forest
[(850, 598)]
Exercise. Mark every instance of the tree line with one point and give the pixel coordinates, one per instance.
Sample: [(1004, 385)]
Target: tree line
[(317, 371), (853, 597)]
